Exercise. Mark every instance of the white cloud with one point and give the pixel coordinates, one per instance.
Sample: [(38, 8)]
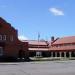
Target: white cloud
[(21, 37), (56, 11)]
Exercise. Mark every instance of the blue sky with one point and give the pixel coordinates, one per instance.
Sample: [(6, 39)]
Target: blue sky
[(47, 17)]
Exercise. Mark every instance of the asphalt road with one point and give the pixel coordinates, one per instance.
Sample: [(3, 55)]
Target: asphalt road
[(38, 68)]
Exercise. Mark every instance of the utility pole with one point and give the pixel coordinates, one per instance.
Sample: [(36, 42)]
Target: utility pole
[(38, 53), (38, 39)]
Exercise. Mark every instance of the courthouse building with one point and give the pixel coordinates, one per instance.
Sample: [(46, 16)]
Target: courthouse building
[(10, 46)]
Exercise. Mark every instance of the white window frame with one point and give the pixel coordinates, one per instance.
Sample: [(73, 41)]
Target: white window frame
[(1, 51), (11, 38), (38, 54), (4, 37)]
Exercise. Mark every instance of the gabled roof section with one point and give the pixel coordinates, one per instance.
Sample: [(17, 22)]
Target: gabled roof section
[(65, 40), (2, 20), (4, 23), (36, 42)]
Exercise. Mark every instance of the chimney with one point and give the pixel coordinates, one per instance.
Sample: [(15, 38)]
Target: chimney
[(52, 38)]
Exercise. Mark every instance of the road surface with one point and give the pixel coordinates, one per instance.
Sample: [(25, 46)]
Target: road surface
[(39, 68)]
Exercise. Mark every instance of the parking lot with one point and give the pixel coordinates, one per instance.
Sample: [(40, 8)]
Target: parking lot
[(38, 68)]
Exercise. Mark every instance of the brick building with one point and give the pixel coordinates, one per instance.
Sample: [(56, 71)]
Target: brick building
[(38, 48), (10, 46), (56, 49), (63, 47)]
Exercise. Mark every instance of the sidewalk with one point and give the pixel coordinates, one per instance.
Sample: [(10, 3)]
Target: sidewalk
[(50, 58)]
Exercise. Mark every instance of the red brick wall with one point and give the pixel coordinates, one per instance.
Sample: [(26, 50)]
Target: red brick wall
[(11, 45)]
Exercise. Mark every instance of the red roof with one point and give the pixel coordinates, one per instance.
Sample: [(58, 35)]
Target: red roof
[(35, 45), (62, 48), (36, 42), (64, 40)]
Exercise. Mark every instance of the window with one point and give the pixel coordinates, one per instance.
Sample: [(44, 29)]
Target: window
[(4, 37), (38, 54), (0, 37), (1, 51), (11, 38)]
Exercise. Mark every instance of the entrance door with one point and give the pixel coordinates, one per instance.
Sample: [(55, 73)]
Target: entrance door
[(21, 54), (1, 51)]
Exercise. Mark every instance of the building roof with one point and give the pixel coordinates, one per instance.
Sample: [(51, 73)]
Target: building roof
[(65, 40), (62, 48), (35, 45), (38, 49), (36, 42), (4, 23)]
